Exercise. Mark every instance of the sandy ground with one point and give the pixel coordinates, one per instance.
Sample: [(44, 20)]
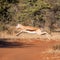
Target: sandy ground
[(30, 50), (30, 47), (54, 36), (37, 50)]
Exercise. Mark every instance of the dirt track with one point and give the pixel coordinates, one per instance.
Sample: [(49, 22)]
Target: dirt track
[(30, 47), (32, 50)]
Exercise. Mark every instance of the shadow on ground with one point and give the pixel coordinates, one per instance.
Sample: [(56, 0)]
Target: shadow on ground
[(5, 44)]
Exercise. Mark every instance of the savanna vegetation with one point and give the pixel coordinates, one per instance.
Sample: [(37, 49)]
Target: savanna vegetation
[(38, 13)]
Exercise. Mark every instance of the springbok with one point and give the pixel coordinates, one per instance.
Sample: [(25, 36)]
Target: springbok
[(30, 29)]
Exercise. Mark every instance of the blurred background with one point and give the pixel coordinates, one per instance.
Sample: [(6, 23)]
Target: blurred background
[(36, 13)]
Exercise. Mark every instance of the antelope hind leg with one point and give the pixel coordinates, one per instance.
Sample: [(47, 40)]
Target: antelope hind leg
[(48, 36)]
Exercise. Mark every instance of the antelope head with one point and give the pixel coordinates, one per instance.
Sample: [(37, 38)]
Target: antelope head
[(19, 26)]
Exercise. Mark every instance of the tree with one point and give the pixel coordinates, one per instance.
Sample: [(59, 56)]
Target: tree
[(5, 14)]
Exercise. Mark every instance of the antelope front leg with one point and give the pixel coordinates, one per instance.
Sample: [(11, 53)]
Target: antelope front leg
[(19, 33)]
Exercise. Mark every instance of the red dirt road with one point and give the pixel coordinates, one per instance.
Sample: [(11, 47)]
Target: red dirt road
[(36, 50)]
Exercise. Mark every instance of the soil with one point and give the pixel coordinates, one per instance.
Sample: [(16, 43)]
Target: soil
[(28, 48)]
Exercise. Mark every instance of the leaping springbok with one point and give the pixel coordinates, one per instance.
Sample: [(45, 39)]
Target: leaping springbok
[(30, 29)]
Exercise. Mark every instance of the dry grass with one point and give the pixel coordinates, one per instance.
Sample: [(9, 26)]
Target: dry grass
[(5, 34)]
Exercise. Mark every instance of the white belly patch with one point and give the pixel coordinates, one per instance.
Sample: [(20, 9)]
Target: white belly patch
[(30, 31)]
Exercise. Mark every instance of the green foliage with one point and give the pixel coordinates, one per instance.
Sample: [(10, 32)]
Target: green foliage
[(29, 12), (5, 16), (28, 8)]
